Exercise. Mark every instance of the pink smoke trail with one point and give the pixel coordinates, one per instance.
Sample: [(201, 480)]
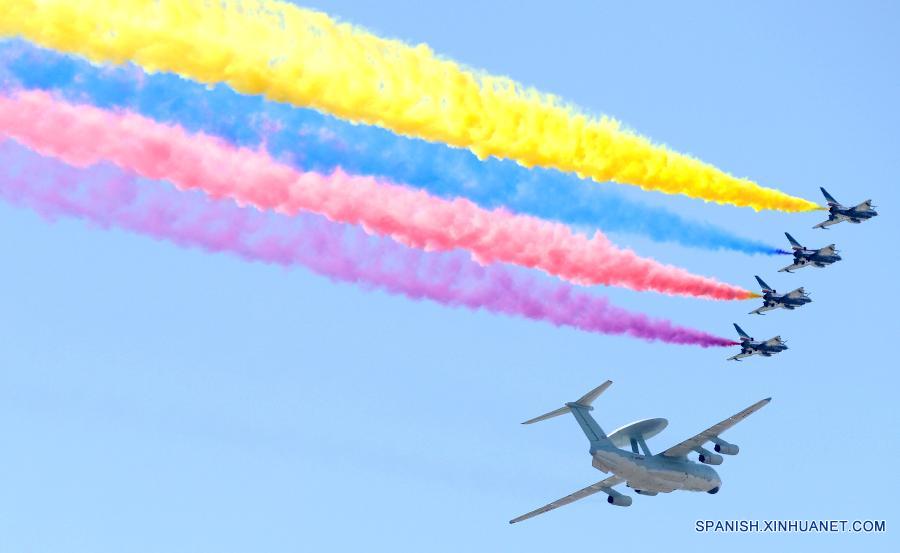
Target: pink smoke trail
[(110, 197), (84, 135)]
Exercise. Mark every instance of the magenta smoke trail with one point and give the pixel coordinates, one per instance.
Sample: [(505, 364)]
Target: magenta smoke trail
[(83, 135), (110, 197)]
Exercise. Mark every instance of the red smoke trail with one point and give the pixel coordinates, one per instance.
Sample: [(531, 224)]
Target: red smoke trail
[(83, 135), (111, 198)]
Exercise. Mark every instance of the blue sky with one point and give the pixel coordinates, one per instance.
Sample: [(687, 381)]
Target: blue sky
[(160, 399)]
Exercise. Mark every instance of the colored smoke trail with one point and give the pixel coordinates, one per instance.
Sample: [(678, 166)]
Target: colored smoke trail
[(84, 135), (323, 143), (289, 54), (111, 198)]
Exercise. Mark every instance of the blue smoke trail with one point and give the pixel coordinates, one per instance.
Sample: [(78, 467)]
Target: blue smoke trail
[(313, 141)]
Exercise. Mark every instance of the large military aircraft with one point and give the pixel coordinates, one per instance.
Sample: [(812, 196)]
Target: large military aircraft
[(749, 346), (804, 257), (773, 300), (645, 473), (838, 213)]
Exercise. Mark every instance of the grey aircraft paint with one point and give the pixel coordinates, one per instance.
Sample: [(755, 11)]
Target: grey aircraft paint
[(804, 257), (773, 300), (751, 346), (640, 470), (837, 213)]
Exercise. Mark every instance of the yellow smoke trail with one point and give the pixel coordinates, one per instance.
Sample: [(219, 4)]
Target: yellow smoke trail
[(294, 55)]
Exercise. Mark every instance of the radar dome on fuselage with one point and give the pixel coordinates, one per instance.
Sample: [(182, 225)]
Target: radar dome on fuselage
[(646, 428)]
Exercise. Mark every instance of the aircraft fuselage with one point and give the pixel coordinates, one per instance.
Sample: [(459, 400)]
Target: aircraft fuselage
[(812, 257), (854, 215), (656, 473), (783, 300), (762, 348)]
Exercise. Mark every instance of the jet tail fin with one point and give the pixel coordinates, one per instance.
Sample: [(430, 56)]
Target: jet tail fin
[(828, 198), (794, 244), (765, 287), (741, 332)]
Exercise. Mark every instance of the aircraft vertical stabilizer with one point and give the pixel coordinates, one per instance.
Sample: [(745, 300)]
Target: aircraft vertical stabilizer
[(828, 198), (765, 287)]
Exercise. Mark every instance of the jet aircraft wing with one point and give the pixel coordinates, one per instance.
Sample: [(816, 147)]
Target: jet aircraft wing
[(690, 444), (571, 498), (833, 220), (763, 309), (827, 250), (865, 206), (740, 356), (776, 341), (792, 267), (798, 293)]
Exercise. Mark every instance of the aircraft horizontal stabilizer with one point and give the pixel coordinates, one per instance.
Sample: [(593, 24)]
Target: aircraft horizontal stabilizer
[(550, 415), (585, 401), (588, 398)]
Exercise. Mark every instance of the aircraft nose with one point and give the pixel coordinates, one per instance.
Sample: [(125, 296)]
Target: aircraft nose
[(714, 480)]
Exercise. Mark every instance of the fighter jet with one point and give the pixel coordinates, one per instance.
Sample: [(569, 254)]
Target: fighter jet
[(804, 257), (773, 300), (749, 346), (838, 213), (640, 470)]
